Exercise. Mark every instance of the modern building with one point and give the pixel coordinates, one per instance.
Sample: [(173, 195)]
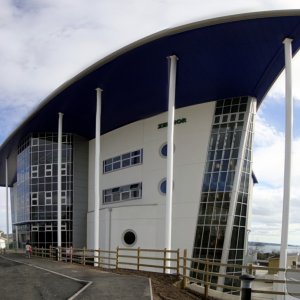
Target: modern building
[(109, 152)]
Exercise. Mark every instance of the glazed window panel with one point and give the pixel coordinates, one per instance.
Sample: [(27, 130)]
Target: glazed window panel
[(34, 199), (123, 161), (63, 169), (217, 186), (48, 227), (34, 171), (48, 170), (122, 193), (48, 198), (41, 183), (34, 228)]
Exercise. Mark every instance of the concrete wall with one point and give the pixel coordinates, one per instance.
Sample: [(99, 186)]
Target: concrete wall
[(146, 216)]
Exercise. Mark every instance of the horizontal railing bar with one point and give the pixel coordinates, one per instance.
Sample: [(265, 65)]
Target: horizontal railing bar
[(144, 257), (148, 250), (152, 266), (274, 280), (157, 258), (107, 258), (268, 292), (145, 265), (211, 263)]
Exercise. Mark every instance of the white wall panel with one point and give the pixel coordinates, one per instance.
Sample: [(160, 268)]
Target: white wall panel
[(146, 216)]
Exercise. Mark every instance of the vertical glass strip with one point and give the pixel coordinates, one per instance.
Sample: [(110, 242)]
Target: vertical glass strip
[(217, 188)]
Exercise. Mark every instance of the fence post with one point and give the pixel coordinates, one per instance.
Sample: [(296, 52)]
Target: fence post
[(99, 259), (117, 258), (71, 254), (178, 261), (251, 269), (184, 281), (138, 258), (206, 279), (84, 256), (165, 260)]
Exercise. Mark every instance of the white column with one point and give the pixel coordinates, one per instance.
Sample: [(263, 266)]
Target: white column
[(287, 156), (6, 194), (60, 120), (169, 196), (97, 172)]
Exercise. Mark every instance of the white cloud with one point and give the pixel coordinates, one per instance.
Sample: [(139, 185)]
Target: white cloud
[(268, 153), (268, 164), (278, 89)]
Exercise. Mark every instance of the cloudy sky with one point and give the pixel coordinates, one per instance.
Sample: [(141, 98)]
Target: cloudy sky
[(46, 42)]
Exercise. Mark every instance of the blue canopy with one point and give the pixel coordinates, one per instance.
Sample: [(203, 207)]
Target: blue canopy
[(231, 56)]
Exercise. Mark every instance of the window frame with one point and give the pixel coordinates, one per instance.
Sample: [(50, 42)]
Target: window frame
[(116, 194), (50, 170), (117, 162)]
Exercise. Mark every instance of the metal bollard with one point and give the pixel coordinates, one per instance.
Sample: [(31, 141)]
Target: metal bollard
[(246, 281)]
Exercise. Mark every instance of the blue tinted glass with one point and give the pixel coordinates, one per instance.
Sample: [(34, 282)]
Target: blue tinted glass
[(163, 187), (164, 150)]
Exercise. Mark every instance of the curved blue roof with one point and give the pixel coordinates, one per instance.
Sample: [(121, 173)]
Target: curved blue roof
[(219, 58)]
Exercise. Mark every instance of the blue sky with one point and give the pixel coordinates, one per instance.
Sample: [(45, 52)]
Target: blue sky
[(46, 42)]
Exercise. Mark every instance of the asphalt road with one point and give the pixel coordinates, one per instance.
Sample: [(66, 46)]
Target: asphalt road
[(35, 278), (19, 281)]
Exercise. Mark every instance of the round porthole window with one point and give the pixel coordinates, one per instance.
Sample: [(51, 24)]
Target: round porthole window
[(163, 151), (163, 186), (129, 237)]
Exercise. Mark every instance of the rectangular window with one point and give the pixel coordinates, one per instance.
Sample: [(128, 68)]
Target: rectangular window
[(34, 171), (63, 227), (48, 170), (34, 228), (34, 199), (123, 161), (64, 197), (123, 193), (34, 141), (48, 198), (48, 227), (63, 169), (107, 197)]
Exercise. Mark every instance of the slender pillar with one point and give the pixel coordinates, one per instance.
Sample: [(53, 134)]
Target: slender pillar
[(60, 120), (287, 156), (97, 172), (6, 194), (171, 113)]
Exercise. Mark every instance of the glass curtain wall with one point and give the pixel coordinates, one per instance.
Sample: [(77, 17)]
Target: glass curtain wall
[(37, 189), (225, 150)]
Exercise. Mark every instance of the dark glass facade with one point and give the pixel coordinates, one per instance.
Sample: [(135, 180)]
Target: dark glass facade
[(35, 200), (225, 188)]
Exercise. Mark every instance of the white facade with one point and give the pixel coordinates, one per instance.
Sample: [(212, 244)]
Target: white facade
[(146, 216)]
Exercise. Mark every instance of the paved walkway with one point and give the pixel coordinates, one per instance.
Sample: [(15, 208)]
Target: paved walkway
[(35, 278)]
